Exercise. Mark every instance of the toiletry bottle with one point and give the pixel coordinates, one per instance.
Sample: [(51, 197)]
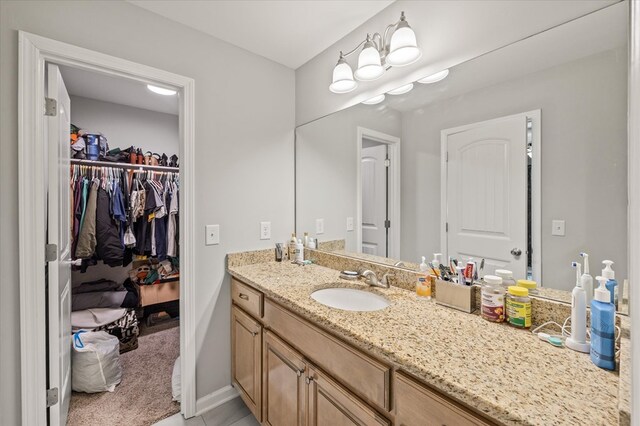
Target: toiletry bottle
[(305, 240), (291, 246), (587, 280), (603, 316), (312, 243), (299, 251), (436, 263), (423, 283), (612, 284), (578, 339)]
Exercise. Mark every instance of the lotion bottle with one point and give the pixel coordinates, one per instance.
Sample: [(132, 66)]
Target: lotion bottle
[(291, 246), (586, 280), (612, 284), (299, 251), (423, 284), (603, 316), (578, 339), (436, 263)]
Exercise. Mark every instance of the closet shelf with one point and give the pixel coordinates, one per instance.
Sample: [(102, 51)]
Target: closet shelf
[(124, 165)]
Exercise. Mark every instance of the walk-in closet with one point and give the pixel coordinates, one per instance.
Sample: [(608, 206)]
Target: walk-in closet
[(124, 216)]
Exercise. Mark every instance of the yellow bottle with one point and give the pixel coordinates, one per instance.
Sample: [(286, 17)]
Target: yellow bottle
[(423, 282)]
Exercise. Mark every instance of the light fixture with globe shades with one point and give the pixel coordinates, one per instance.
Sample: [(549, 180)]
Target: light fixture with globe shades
[(434, 78), (375, 100), (401, 90), (397, 47)]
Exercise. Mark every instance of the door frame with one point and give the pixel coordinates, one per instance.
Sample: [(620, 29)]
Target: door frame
[(536, 184), (393, 143), (34, 52)]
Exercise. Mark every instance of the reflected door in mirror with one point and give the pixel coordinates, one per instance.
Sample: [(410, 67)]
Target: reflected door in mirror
[(374, 199), (486, 193)]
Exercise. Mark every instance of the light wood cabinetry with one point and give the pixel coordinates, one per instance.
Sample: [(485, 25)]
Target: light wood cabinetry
[(329, 404), (246, 359), (291, 372), (283, 380), (417, 405)]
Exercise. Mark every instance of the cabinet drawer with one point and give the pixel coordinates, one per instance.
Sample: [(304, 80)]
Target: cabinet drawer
[(417, 405), (365, 376), (247, 298)]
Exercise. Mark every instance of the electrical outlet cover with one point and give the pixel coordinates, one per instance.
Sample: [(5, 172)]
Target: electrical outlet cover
[(319, 226), (350, 223), (265, 230)]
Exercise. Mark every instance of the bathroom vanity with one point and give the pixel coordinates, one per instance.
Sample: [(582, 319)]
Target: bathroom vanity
[(297, 361)]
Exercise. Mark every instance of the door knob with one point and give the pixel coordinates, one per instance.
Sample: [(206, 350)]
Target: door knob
[(516, 252)]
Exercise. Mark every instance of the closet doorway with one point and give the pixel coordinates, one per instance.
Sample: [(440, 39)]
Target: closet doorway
[(112, 227)]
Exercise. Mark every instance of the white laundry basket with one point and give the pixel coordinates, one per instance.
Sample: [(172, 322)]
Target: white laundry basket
[(95, 362)]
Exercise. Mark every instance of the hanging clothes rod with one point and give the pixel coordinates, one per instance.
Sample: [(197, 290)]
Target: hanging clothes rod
[(124, 165)]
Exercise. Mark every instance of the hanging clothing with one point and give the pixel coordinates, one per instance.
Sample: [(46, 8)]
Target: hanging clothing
[(171, 225), (109, 248), (87, 239)]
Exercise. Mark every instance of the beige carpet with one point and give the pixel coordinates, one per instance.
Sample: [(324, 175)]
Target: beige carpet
[(144, 395)]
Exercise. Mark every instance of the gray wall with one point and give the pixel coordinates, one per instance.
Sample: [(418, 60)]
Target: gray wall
[(326, 160), (449, 33), (244, 151), (584, 166), (124, 126)]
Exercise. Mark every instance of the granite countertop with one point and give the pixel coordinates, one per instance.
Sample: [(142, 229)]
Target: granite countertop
[(506, 373)]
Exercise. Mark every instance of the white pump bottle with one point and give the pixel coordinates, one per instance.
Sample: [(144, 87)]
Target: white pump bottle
[(586, 280), (578, 339)]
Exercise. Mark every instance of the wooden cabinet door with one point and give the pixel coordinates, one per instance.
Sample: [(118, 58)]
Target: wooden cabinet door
[(329, 404), (284, 383), (246, 359), (417, 405)]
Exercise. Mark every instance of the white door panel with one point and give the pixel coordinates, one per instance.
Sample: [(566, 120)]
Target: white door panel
[(374, 200), (487, 194), (58, 232)]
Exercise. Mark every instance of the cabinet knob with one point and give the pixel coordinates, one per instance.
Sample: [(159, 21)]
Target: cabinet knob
[(243, 296), (254, 333)]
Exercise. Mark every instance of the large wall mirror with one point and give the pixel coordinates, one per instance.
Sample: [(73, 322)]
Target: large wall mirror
[(518, 157)]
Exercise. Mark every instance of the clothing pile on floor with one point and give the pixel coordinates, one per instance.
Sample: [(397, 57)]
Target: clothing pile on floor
[(150, 272), (105, 305)]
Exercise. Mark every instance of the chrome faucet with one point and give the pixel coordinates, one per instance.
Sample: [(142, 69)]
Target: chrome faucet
[(371, 278)]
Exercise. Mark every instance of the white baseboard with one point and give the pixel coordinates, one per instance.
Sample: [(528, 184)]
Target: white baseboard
[(215, 399)]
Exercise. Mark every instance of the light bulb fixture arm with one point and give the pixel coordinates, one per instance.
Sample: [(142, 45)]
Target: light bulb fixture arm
[(381, 42)]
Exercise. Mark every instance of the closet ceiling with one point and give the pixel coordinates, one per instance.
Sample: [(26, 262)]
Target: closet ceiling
[(287, 32), (116, 90)]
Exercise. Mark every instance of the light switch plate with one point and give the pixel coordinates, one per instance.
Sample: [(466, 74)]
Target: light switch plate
[(265, 230), (557, 228), (350, 223), (212, 235), (319, 226)]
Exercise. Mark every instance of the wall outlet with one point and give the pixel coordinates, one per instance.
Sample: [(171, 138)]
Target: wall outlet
[(265, 230), (557, 228), (350, 223), (319, 226), (212, 235)]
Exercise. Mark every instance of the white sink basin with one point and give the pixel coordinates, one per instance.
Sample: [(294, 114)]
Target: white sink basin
[(349, 299)]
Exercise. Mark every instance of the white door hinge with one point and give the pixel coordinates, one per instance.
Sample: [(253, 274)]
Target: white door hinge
[(52, 397), (50, 107), (446, 227), (50, 252)]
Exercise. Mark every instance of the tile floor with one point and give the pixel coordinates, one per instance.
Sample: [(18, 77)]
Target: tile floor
[(231, 413)]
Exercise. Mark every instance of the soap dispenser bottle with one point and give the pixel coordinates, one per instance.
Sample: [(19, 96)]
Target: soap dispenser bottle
[(586, 280), (603, 316), (578, 339), (423, 283), (612, 284)]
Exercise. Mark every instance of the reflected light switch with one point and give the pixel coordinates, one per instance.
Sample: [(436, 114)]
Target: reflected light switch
[(350, 223), (557, 228)]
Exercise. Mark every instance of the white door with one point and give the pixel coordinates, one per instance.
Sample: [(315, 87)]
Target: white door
[(487, 194), (58, 233), (374, 199)]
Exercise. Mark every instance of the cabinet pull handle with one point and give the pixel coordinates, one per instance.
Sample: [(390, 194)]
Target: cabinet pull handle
[(243, 296), (300, 372), (308, 380), (254, 333)]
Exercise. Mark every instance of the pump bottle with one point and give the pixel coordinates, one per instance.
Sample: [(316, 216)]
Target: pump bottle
[(436, 263), (612, 284), (578, 339), (587, 280), (603, 316)]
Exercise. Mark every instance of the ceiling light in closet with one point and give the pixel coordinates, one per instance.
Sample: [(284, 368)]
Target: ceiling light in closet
[(434, 78), (161, 90), (375, 100), (379, 53), (401, 90)]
